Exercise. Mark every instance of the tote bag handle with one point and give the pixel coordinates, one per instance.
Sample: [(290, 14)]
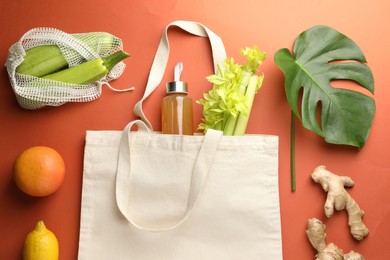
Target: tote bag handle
[(203, 163), (161, 58), (209, 144)]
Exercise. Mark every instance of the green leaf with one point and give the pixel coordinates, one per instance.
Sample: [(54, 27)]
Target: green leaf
[(321, 55)]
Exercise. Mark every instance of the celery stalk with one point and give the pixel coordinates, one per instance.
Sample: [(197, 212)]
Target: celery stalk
[(232, 119), (226, 102), (242, 120), (230, 125)]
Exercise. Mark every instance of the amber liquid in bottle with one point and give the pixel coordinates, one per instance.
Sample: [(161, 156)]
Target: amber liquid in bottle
[(176, 106), (177, 114)]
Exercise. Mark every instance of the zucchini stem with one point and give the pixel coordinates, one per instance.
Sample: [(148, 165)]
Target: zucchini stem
[(110, 61)]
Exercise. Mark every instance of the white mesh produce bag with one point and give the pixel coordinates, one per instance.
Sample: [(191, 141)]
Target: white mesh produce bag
[(34, 92)]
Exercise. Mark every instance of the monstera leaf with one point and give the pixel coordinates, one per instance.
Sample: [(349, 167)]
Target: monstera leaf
[(321, 55)]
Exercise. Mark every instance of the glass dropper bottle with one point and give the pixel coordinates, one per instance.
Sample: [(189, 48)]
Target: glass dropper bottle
[(176, 107)]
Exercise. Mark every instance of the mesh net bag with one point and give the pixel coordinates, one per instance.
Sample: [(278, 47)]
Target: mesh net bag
[(35, 92)]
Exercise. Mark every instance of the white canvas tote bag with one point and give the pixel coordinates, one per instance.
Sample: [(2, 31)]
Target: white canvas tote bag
[(148, 196)]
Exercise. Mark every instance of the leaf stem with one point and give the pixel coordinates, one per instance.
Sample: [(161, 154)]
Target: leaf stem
[(292, 152)]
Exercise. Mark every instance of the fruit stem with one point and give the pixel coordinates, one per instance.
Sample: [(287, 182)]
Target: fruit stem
[(40, 226)]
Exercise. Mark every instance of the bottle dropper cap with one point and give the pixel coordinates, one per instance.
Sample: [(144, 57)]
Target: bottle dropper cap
[(177, 86)]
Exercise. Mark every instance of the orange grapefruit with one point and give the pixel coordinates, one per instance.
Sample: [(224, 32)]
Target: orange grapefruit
[(39, 171)]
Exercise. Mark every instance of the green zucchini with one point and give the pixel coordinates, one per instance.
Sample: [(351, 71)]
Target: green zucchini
[(89, 71), (42, 60), (46, 59)]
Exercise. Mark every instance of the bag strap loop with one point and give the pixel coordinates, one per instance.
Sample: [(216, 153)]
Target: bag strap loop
[(200, 172), (161, 58)]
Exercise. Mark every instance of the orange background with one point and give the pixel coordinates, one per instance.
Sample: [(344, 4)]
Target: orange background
[(268, 24)]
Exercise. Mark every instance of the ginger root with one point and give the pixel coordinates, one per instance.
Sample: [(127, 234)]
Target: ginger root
[(316, 234), (339, 199)]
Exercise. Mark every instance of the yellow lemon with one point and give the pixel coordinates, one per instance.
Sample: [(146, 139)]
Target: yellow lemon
[(40, 244)]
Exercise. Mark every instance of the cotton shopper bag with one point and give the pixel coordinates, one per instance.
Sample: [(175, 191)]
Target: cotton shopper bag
[(146, 195)]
